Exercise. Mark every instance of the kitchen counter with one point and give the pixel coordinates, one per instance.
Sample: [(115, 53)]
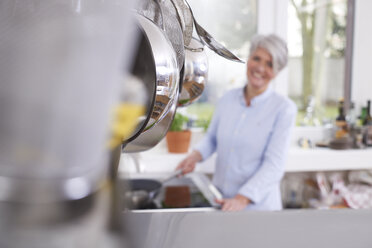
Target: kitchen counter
[(158, 160), (200, 228), (325, 159), (289, 228)]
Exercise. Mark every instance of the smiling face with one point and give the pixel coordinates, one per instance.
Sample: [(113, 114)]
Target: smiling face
[(260, 69)]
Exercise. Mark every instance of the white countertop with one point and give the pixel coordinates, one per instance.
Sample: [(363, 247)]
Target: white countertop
[(158, 160), (322, 159)]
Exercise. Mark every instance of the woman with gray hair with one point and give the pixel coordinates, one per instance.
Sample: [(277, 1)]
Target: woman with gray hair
[(250, 131)]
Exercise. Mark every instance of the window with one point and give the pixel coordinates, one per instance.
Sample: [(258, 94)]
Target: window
[(316, 35), (231, 23), (317, 42)]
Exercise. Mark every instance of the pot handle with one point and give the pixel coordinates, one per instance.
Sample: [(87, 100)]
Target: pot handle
[(201, 49), (182, 73), (197, 49), (173, 175)]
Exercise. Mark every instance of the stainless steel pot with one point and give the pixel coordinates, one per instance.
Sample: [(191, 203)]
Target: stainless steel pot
[(165, 68), (160, 72), (144, 69), (195, 74), (152, 137), (165, 15)]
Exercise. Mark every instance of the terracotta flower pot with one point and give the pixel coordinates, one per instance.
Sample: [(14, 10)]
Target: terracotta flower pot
[(178, 142)]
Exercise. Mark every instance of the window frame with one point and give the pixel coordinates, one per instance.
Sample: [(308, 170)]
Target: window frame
[(273, 18)]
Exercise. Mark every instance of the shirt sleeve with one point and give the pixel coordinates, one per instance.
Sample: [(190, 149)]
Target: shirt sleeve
[(208, 145), (271, 170)]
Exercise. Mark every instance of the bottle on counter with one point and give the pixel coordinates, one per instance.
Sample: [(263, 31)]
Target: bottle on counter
[(341, 112), (355, 128), (341, 139), (368, 118), (368, 125), (351, 117), (363, 116), (341, 123)]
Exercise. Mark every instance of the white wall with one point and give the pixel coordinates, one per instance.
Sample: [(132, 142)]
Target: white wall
[(362, 65)]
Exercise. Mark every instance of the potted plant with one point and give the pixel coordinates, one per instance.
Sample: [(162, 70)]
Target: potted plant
[(178, 136)]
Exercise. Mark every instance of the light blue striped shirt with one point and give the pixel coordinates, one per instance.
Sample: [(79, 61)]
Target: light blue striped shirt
[(251, 145)]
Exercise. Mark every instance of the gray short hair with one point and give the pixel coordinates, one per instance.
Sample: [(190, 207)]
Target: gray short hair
[(275, 45)]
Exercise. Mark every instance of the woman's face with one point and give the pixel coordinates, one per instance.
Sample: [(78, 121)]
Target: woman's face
[(260, 69)]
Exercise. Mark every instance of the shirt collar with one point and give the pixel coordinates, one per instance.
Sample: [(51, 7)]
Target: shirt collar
[(257, 99)]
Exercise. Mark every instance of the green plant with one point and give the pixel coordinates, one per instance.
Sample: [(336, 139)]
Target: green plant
[(179, 122), (203, 113), (203, 124)]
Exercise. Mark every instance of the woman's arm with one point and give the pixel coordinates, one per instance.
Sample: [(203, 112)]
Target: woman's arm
[(188, 164), (204, 149), (239, 202)]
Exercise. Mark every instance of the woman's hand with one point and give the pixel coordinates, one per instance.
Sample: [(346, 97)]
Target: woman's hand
[(239, 202), (188, 164)]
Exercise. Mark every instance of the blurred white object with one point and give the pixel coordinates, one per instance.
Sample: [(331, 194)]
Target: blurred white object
[(323, 184), (358, 196), (354, 195), (332, 191), (310, 118), (206, 187), (363, 176), (60, 69), (61, 65)]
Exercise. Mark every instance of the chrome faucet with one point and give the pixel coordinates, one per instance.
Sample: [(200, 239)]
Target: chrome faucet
[(136, 158)]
